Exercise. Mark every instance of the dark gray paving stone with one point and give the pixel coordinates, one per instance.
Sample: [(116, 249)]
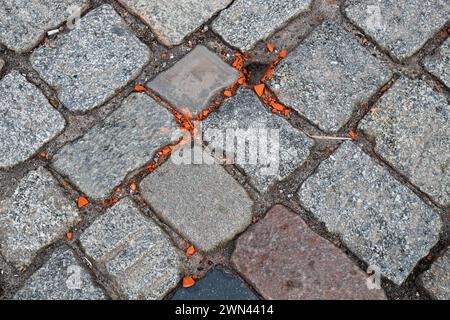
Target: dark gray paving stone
[(36, 215), (400, 26), (194, 80), (124, 142), (27, 120), (286, 147), (411, 126), (60, 278), (218, 284), (439, 63), (437, 279), (91, 63), (135, 252), (172, 21), (379, 219), (246, 22), (327, 76), (24, 22)]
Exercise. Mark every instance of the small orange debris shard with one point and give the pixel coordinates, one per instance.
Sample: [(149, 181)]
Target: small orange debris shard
[(259, 89), (69, 235), (353, 134), (283, 53), (228, 93), (188, 282), (190, 251), (82, 202), (140, 88), (43, 154), (270, 47)]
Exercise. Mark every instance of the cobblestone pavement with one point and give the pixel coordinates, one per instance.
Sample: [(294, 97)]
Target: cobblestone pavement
[(121, 130)]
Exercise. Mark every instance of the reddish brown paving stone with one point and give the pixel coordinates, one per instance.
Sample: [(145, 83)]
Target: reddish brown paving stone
[(283, 259)]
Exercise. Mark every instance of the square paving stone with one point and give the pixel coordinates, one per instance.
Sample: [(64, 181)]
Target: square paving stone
[(194, 80), (411, 127), (379, 219), (172, 21), (27, 120), (201, 201), (24, 22), (284, 259), (278, 147), (218, 284), (400, 26), (124, 142), (327, 76), (91, 63), (246, 22), (135, 252), (439, 63), (60, 278), (437, 279), (37, 214)]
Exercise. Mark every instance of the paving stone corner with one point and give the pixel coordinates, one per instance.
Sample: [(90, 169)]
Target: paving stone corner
[(436, 280)]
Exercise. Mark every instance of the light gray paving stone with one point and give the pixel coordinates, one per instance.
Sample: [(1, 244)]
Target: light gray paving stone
[(400, 26), (27, 120), (37, 214), (246, 22), (439, 63), (411, 127), (172, 21), (201, 201), (286, 147), (327, 76), (135, 252), (191, 83), (378, 218), (124, 142), (437, 279), (91, 63), (24, 22), (60, 278)]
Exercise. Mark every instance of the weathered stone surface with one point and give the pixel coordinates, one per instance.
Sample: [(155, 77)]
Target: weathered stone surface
[(191, 83), (27, 120), (201, 201), (246, 22), (37, 214), (24, 22), (135, 252), (411, 126), (89, 64), (378, 218), (124, 142), (305, 266), (439, 63), (218, 284), (327, 76), (60, 278), (400, 26), (172, 21), (286, 147), (437, 279)]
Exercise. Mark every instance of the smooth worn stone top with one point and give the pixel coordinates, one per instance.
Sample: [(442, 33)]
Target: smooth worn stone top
[(201, 201), (60, 278), (191, 84), (411, 128), (437, 279), (124, 142), (275, 149), (218, 284), (284, 259), (37, 214), (88, 65), (328, 76), (246, 22), (400, 26), (439, 63), (135, 252), (24, 22), (27, 119), (378, 218), (172, 21)]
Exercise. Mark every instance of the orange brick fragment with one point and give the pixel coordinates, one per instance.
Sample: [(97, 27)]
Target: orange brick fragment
[(353, 134), (82, 202), (188, 282), (140, 88), (259, 89), (190, 251)]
